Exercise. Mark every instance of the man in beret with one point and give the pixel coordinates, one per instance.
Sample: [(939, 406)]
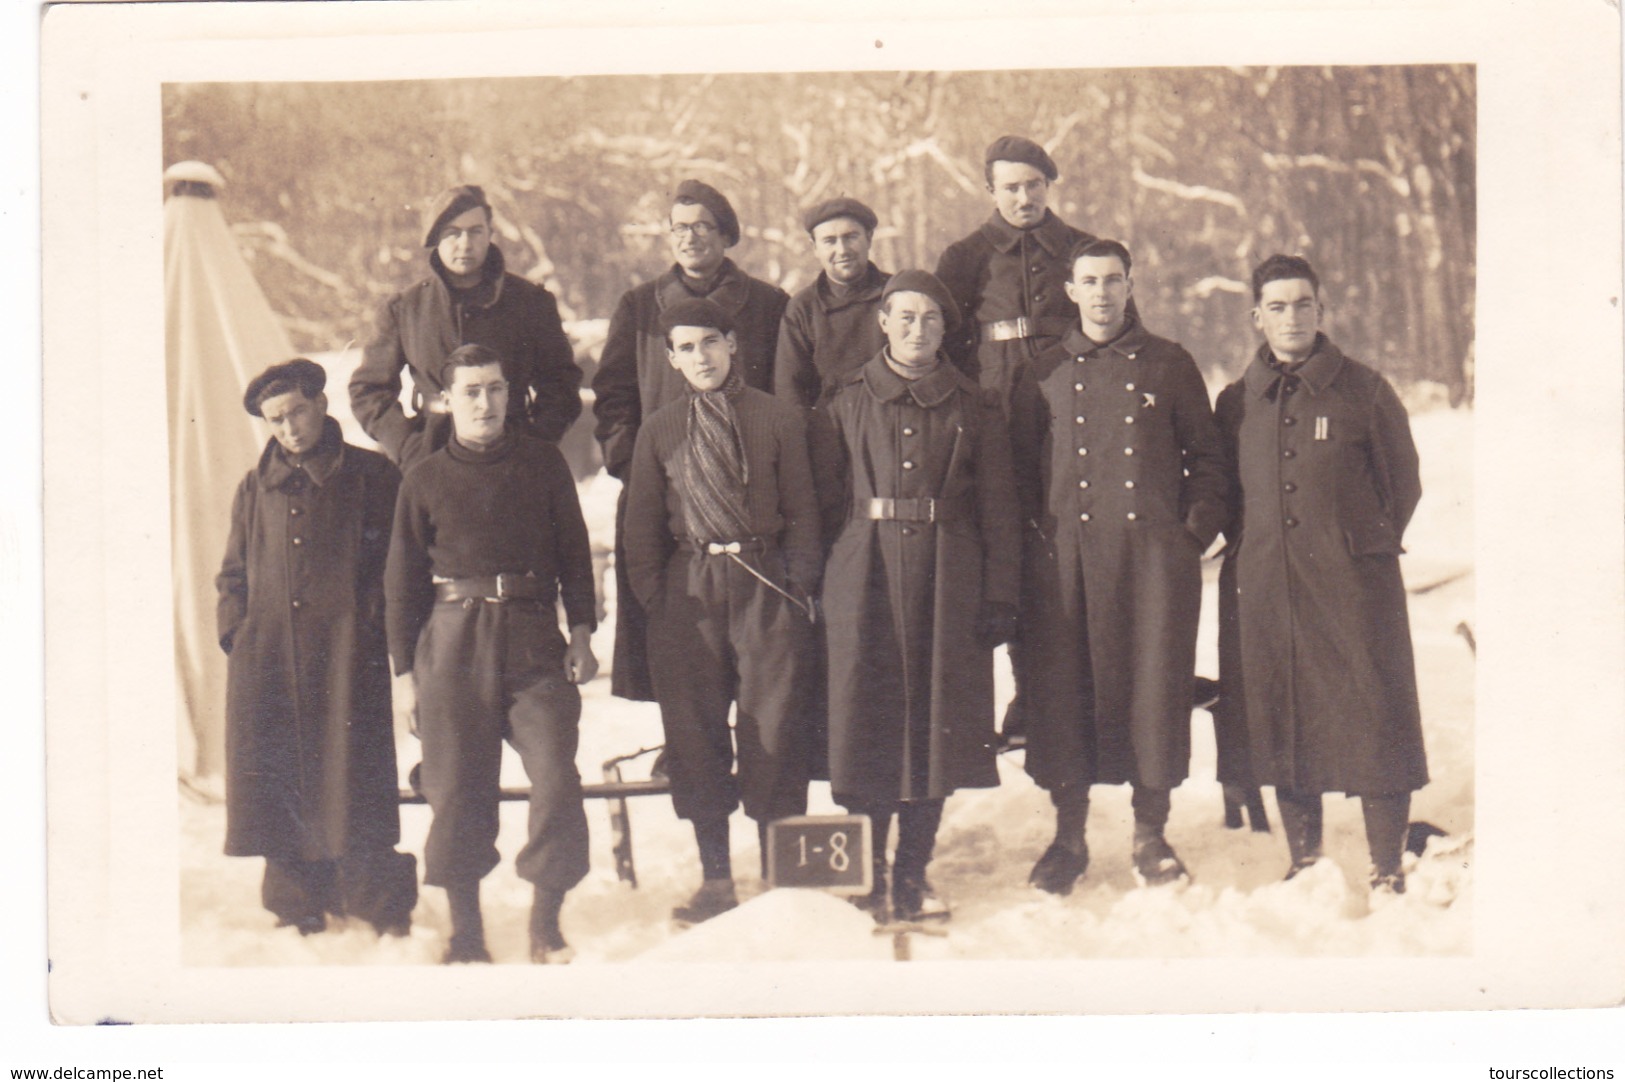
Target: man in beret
[(830, 328), (488, 535), (635, 378), (310, 742), (723, 551), (920, 584), (468, 297), (1009, 280), (1133, 491)]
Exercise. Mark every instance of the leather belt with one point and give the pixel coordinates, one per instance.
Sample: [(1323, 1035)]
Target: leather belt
[(1006, 330), (504, 587), (922, 509), (721, 548)]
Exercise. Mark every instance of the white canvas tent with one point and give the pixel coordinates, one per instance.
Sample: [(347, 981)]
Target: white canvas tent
[(219, 332)]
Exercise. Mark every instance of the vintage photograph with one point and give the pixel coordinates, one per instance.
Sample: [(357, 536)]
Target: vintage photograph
[(1091, 804), (844, 517)]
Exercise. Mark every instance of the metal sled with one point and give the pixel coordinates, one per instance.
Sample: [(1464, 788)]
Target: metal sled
[(614, 789)]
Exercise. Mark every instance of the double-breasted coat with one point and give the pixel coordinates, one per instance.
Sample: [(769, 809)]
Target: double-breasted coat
[(310, 744), (910, 685), (1131, 490), (635, 379), (1328, 479)]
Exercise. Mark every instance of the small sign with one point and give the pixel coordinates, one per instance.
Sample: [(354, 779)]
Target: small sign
[(821, 852)]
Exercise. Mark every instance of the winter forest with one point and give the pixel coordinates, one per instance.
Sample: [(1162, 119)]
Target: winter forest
[(1369, 172)]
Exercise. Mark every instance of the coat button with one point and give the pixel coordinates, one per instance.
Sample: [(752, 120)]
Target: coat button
[(293, 510), (1083, 484), (1040, 297), (296, 604), (1289, 420), (1291, 387), (1131, 356), (908, 464), (1084, 517), (1289, 487), (1132, 516), (1128, 450), (1291, 522), (1128, 386), (1128, 420), (1078, 386), (1080, 418), (908, 531), (908, 431), (1083, 450), (1128, 484), (299, 540), (1038, 268), (1289, 453)]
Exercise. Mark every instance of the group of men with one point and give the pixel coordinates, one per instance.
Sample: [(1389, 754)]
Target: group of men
[(835, 507)]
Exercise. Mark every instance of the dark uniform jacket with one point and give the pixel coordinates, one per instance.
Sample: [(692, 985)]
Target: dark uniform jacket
[(420, 326), (634, 380), (910, 686), (310, 744), (462, 513), (1001, 273), (828, 331), (778, 496), (1328, 479), (1132, 490)]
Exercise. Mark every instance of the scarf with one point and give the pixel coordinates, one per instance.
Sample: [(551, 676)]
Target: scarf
[(711, 468)]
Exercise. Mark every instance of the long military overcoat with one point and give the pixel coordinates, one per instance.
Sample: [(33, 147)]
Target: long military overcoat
[(310, 744), (1132, 491), (826, 335), (910, 687), (1328, 480), (635, 379)]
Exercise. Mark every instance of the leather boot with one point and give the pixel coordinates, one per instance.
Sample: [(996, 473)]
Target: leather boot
[(1302, 820), (547, 945), (467, 924)]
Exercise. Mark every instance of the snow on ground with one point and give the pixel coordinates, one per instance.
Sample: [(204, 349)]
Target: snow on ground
[(1236, 905)]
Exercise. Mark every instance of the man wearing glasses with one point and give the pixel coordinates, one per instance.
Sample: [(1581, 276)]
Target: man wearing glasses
[(635, 378)]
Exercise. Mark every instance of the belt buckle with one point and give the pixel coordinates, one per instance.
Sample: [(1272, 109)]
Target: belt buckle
[(502, 586), (930, 509), (877, 508)]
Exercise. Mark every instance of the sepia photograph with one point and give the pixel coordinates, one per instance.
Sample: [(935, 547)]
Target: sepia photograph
[(826, 517)]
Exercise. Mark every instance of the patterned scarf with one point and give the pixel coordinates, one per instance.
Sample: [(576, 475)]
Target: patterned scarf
[(711, 468)]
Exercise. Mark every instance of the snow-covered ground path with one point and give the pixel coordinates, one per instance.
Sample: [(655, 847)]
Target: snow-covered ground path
[(1236, 906)]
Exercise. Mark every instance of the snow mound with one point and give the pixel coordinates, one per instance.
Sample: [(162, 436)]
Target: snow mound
[(780, 926)]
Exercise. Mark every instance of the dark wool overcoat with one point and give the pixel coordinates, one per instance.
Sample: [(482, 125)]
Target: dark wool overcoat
[(826, 334), (310, 744), (910, 687), (419, 327), (1132, 491), (1328, 480), (634, 379), (1003, 273)]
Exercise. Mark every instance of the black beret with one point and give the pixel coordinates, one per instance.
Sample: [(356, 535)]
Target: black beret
[(1015, 148), (694, 312), (840, 208), (919, 281), (308, 376), (714, 201), (448, 205)]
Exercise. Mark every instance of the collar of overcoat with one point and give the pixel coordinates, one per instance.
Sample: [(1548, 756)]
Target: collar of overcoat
[(1129, 341), (1318, 372), (729, 291), (1052, 234), (275, 470), (929, 390), (866, 290)]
